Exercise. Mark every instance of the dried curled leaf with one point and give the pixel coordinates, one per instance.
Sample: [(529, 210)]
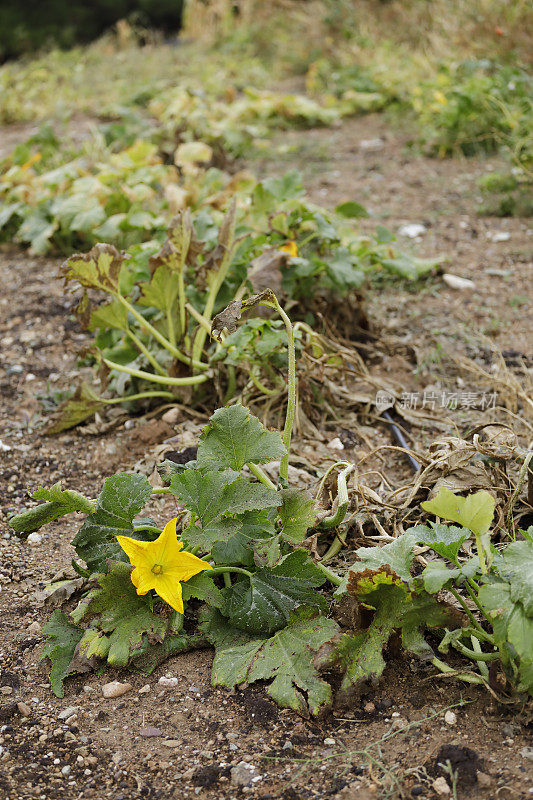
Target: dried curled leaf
[(83, 404), (97, 269), (226, 322)]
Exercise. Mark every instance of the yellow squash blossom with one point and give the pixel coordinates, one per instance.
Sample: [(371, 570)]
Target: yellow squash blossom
[(161, 565), (291, 248)]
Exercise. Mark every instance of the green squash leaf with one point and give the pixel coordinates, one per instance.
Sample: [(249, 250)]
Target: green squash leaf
[(57, 504), (297, 514), (285, 659), (121, 499), (351, 209), (396, 608), (162, 291), (111, 315), (254, 530), (125, 615), (97, 269), (398, 555), (474, 512), (446, 540), (264, 603), (62, 640), (212, 495), (234, 438), (201, 587), (436, 575), (518, 568)]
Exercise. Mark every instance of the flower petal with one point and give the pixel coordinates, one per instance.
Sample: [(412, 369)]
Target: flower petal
[(170, 591), (137, 551), (143, 580), (185, 565)]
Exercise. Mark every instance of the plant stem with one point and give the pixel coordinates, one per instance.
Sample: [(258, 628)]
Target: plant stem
[(462, 676), (220, 277), (161, 490), (261, 386), (149, 376), (222, 570), (181, 305), (170, 322), (480, 664), (139, 396), (465, 651), (334, 548), (476, 601), (256, 470), (159, 336), (144, 350), (232, 384), (149, 528), (227, 580), (467, 611), (198, 317), (331, 576), (291, 386)]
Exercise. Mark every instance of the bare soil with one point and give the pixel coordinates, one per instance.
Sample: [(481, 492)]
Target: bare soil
[(391, 742)]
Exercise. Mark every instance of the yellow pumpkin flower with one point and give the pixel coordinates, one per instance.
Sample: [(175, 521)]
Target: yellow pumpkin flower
[(160, 565), (291, 248)]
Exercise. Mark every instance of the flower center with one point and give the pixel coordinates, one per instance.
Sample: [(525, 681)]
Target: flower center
[(157, 569)]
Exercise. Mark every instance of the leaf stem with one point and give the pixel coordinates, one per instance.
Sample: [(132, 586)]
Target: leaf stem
[(144, 350), (331, 576), (472, 594), (198, 317), (334, 548), (182, 305), (342, 495), (261, 386), (475, 656), (149, 528), (218, 280), (462, 676), (170, 321), (223, 570), (291, 385), (159, 336), (191, 380), (138, 396), (256, 470), (465, 608)]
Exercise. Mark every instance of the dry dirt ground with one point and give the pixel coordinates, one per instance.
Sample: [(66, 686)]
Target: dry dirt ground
[(390, 743)]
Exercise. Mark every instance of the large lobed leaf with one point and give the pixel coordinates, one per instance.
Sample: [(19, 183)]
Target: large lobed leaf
[(234, 438), (474, 512), (286, 659), (120, 500), (518, 567), (398, 555), (125, 615), (62, 639), (212, 497), (396, 609), (57, 503), (297, 514), (446, 540), (97, 269), (264, 602)]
